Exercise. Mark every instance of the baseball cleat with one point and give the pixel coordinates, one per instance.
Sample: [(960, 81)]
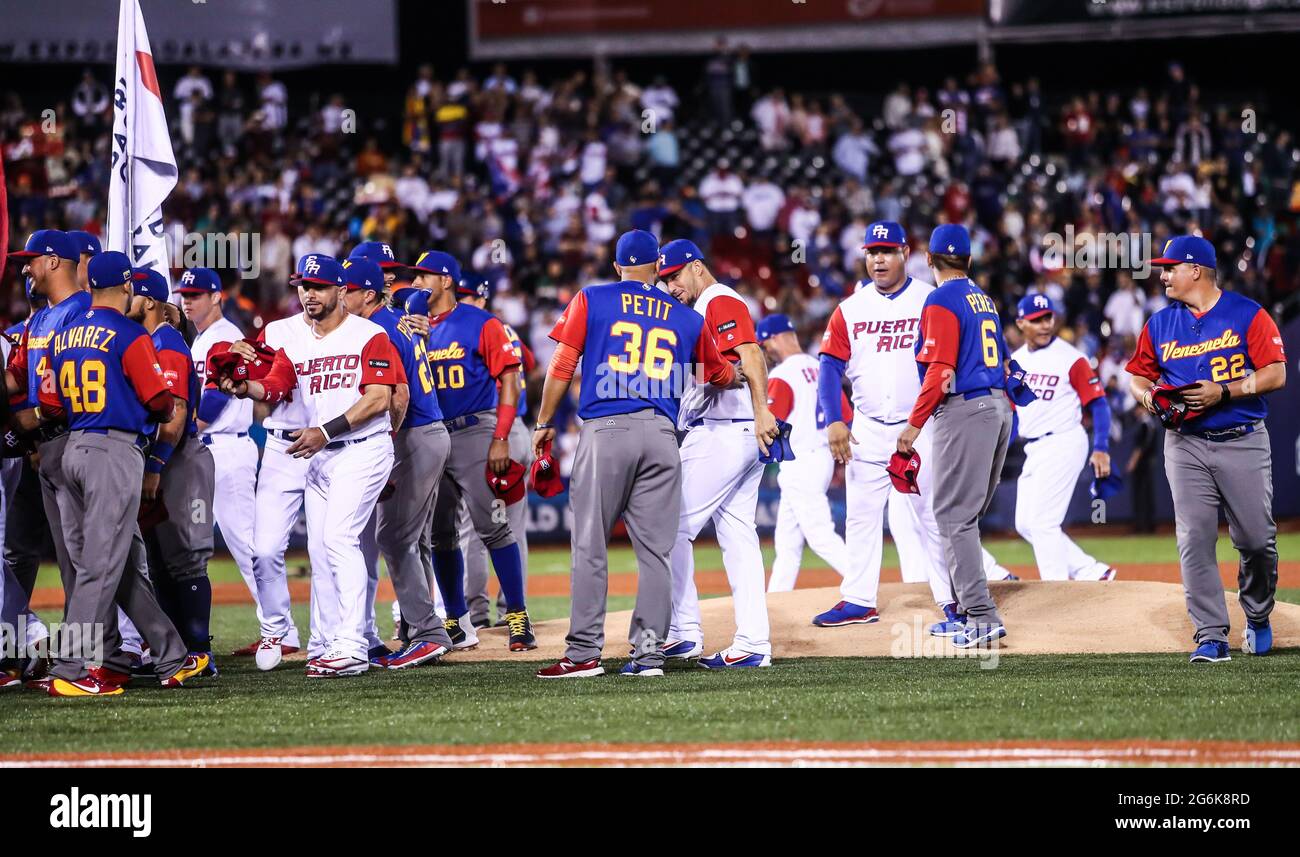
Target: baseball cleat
[(633, 668), (88, 686), (1108, 574), (521, 631), (247, 651), (845, 613), (975, 634), (1257, 639), (1211, 652), (336, 665), (566, 668), (729, 659), (378, 654), (681, 650), (463, 636), (11, 678), (413, 655), (210, 671), (952, 624), (269, 653), (1011, 577), (194, 665), (104, 675)]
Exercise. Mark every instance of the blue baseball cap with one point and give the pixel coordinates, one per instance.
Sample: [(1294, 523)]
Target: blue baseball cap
[(49, 242), (438, 262), (1103, 489), (400, 296), (363, 274), (87, 244), (108, 269), (474, 284), (1034, 306), (772, 325), (1187, 248), (637, 247), (376, 251), (322, 270), (884, 233), (418, 302), (951, 239), (148, 283), (676, 255), (199, 281)]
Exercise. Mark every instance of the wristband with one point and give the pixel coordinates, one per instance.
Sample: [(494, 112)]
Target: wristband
[(1227, 394), (543, 426), (159, 454), (505, 419), (335, 427)]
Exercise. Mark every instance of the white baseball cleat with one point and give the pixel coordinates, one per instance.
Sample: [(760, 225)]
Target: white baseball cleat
[(268, 654)]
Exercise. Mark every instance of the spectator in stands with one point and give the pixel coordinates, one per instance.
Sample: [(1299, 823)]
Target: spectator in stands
[(721, 191), (90, 101)]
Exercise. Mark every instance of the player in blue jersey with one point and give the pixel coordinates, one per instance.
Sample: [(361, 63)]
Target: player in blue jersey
[(637, 347), (1203, 364), (963, 356)]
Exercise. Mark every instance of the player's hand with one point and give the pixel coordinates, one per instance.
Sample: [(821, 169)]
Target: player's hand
[(499, 455), (541, 437), (416, 323), (1148, 401), (244, 350), (765, 430), (149, 489), (307, 442), (238, 389), (1206, 394), (1100, 463), (738, 381), (907, 438), (840, 437)]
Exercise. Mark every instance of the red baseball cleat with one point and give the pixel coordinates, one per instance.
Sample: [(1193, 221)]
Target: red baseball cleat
[(569, 669)]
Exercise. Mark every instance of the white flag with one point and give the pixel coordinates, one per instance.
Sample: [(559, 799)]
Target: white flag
[(144, 168)]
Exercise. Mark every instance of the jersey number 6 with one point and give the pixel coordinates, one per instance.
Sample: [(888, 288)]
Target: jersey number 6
[(658, 360), (88, 396), (989, 336)]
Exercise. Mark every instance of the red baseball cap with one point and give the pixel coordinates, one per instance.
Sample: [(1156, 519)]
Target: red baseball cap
[(509, 486), (903, 470)]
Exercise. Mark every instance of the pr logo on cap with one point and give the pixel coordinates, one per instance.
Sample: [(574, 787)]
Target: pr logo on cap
[(880, 231)]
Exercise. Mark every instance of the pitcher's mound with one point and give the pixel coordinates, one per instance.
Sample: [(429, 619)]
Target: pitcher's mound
[(1041, 618)]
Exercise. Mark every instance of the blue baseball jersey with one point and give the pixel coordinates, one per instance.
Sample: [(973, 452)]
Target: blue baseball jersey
[(1233, 339), (960, 327), (423, 408), (41, 328), (638, 348), (467, 351), (177, 364), (102, 370), (524, 367)]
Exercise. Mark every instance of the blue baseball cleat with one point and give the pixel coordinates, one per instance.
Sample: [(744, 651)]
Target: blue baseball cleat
[(633, 668), (952, 624), (681, 650), (845, 613), (728, 659), (1211, 652), (1257, 638), (974, 634)]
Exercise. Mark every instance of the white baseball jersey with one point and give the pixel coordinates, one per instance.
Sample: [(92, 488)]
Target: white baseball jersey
[(237, 416), (285, 333), (792, 395), (727, 320), (875, 335), (331, 371), (1064, 381)]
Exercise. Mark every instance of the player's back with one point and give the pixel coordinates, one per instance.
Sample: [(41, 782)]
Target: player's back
[(959, 313), (90, 360), (799, 372)]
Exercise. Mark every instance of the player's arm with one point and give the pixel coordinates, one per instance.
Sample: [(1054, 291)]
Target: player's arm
[(503, 364), (728, 321), (212, 402), (832, 362), (940, 336), (272, 389), (570, 335), (176, 368), (1264, 344), (1083, 378), (1143, 369), (142, 369)]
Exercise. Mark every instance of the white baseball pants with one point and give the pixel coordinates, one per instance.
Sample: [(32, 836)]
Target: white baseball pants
[(804, 514), (281, 483), (1047, 482)]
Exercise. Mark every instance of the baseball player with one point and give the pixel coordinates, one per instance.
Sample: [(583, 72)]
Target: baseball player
[(420, 449), (960, 345), (342, 369), (223, 424), (88, 246), (179, 475), (1056, 445), (804, 512), (1204, 364), (726, 429), (475, 369), (103, 377), (635, 345)]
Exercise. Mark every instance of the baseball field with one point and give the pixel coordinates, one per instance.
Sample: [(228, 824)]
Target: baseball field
[(1100, 704)]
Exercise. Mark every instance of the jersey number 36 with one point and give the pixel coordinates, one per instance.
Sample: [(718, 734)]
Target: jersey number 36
[(658, 359)]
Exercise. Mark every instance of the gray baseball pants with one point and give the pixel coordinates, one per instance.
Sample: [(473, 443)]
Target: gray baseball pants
[(1236, 475), (626, 465), (970, 444), (476, 554), (53, 481), (466, 476)]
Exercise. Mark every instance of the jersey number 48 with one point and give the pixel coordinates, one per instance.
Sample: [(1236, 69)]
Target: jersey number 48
[(85, 394)]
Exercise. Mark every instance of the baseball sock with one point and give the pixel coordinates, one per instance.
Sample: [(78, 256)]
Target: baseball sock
[(194, 598), (510, 574), (449, 569)]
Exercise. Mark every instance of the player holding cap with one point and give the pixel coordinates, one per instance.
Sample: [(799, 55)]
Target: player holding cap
[(475, 370), (726, 431), (343, 371), (635, 345), (1219, 353), (1056, 446), (804, 512), (103, 377)]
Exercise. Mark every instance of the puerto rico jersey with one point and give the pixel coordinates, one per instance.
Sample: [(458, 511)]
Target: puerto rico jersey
[(468, 351), (328, 374), (638, 345), (960, 327), (1064, 382), (423, 408), (792, 397), (876, 336), (102, 370), (1233, 339), (728, 324), (288, 335), (178, 371), (41, 327), (237, 415)]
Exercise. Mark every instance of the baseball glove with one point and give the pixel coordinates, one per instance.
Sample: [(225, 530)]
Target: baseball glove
[(225, 364)]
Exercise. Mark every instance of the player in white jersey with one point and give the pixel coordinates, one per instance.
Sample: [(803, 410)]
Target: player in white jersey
[(343, 372), (1056, 445), (223, 427), (871, 339), (725, 432), (804, 513)]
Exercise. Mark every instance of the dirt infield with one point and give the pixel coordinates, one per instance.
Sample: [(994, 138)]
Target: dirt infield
[(1122, 753)]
